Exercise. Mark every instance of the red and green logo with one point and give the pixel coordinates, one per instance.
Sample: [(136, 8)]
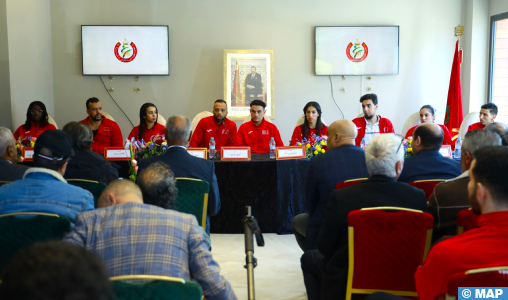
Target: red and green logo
[(356, 52), (125, 52)]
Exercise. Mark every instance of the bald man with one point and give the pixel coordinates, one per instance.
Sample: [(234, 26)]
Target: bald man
[(427, 162), (343, 161), (133, 238)]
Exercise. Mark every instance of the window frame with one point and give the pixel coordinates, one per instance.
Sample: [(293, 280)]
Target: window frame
[(493, 20)]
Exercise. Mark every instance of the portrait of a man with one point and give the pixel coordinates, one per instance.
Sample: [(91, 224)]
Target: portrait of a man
[(253, 86)]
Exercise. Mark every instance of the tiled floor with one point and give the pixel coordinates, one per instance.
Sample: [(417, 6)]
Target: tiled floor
[(278, 274)]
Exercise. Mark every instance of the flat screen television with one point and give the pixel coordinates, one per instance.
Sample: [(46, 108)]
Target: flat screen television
[(125, 50), (357, 50)]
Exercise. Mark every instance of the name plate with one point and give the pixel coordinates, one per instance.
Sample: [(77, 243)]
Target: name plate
[(28, 153), (290, 152), (446, 151), (117, 153), (198, 152), (235, 153)]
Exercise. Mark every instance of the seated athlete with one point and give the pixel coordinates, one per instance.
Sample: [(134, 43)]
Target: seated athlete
[(36, 123), (488, 114), (371, 124), (428, 115), (148, 129), (312, 125)]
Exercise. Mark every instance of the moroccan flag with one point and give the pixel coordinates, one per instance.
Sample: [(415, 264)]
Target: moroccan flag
[(454, 116), (235, 95)]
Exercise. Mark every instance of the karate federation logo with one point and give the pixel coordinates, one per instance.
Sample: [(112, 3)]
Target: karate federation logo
[(125, 52), (357, 53)]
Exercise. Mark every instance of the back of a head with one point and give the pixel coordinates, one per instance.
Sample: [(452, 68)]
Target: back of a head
[(52, 150), (6, 140), (81, 134), (382, 156), (500, 129), (56, 270), (121, 189), (479, 138), (178, 128), (431, 136), (491, 170), (158, 185)]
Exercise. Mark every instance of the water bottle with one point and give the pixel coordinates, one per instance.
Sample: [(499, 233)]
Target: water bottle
[(212, 148), (363, 144), (272, 148), (458, 148)]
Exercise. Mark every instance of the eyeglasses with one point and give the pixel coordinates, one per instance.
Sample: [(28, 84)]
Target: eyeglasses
[(35, 111), (401, 141)]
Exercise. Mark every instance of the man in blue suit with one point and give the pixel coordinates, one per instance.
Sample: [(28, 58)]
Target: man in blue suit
[(183, 164), (428, 163), (343, 161)]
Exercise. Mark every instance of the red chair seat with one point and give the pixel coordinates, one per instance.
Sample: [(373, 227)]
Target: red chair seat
[(488, 277), (350, 182), (427, 185)]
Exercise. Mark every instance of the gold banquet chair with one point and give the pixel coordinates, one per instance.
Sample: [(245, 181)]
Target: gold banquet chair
[(193, 198), (94, 187), (52, 121), (155, 287), (471, 118)]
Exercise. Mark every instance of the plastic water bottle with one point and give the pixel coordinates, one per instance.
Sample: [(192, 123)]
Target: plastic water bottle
[(212, 148), (363, 144), (272, 148), (458, 148)]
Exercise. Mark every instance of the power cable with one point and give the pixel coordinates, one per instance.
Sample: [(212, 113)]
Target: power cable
[(115, 101), (331, 86)]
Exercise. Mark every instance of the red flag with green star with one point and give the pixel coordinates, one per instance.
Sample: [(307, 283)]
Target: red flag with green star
[(454, 116)]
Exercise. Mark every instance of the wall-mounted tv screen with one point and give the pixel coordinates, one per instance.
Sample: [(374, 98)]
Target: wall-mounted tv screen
[(357, 50), (125, 50)]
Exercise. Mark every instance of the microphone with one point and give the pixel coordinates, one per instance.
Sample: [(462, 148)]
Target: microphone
[(224, 123)]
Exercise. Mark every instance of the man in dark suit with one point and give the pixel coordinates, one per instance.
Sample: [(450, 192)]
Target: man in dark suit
[(183, 164), (343, 161), (9, 170), (253, 85), (325, 270), (451, 196), (428, 163)]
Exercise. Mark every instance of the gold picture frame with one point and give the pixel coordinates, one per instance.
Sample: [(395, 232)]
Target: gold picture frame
[(237, 65)]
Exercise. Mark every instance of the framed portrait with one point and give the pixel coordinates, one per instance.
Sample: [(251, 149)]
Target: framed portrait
[(248, 76)]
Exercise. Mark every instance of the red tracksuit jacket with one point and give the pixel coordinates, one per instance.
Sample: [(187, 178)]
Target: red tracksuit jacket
[(258, 137), (158, 130), (108, 135), (385, 126), (35, 130), (208, 128), (475, 126)]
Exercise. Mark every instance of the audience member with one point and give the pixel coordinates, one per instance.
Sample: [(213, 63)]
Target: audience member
[(55, 270), (428, 115), (481, 247), (312, 125), (36, 123), (106, 132), (138, 239), (371, 124), (86, 164), (9, 170), (450, 197), (427, 162), (217, 126), (43, 188), (501, 129), (257, 132), (342, 161), (185, 165), (148, 129), (325, 270), (488, 114)]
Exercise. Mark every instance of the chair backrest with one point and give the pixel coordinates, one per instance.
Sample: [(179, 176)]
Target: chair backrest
[(412, 120), (193, 198), (427, 185), (248, 118), (198, 118), (467, 219), (108, 116), (350, 182), (94, 187), (20, 230), (471, 118), (52, 121), (385, 248), (158, 287), (302, 118), (487, 277), (160, 119)]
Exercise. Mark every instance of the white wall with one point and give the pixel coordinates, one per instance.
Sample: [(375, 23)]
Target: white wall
[(5, 89), (199, 31), (30, 56), (497, 7)]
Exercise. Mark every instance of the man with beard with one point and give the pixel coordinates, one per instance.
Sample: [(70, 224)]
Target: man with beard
[(217, 126), (106, 132), (371, 124), (482, 247)]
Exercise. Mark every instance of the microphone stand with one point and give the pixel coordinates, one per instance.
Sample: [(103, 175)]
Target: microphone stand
[(250, 226), (228, 131)]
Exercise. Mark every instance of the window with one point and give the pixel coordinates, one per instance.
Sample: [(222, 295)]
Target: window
[(498, 77)]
